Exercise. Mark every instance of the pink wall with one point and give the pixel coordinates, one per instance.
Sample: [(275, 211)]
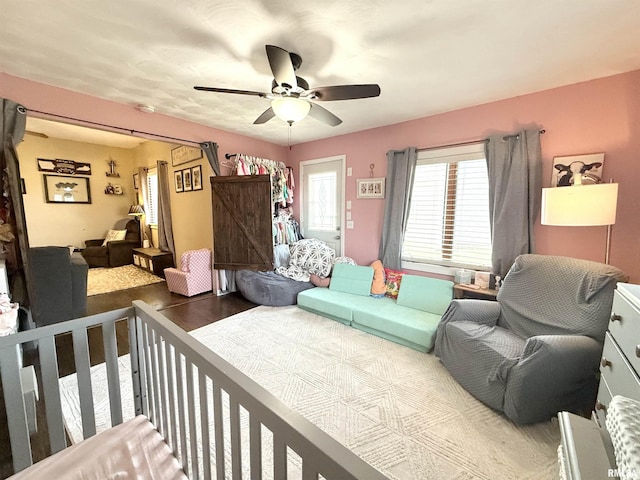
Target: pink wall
[(597, 116), (45, 98)]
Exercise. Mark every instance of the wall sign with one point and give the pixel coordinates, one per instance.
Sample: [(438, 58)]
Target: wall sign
[(184, 154), (66, 167)]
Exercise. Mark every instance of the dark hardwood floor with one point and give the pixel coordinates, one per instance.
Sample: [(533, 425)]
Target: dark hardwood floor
[(188, 313)]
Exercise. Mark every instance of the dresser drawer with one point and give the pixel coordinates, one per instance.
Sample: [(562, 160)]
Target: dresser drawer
[(620, 378), (625, 328), (602, 401)]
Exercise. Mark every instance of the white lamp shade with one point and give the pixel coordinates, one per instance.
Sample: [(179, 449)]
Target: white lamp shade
[(290, 109), (581, 205)]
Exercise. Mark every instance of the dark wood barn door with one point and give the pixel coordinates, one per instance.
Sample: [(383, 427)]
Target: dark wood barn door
[(242, 231)]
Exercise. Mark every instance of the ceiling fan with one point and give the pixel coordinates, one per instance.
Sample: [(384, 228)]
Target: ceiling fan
[(291, 98)]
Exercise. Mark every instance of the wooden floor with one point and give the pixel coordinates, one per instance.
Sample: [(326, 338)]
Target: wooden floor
[(188, 313)]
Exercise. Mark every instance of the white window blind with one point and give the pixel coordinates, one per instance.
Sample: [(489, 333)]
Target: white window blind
[(448, 221), (151, 209)]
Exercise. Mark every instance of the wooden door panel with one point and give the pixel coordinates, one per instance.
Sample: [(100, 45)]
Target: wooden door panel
[(242, 232)]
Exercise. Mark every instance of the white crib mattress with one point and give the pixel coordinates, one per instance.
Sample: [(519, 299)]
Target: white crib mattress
[(133, 449)]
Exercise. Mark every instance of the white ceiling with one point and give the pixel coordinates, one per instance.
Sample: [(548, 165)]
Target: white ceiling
[(428, 56)]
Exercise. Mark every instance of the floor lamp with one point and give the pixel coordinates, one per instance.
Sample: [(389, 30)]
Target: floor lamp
[(137, 211), (581, 206)]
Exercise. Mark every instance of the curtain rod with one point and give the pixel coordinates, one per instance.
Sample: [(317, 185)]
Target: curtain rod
[(471, 142), (128, 130)]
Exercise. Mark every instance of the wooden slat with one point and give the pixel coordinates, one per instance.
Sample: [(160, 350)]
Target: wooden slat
[(183, 456), (146, 342), (113, 373), (153, 353), (279, 457), (85, 393), (236, 445), (219, 430), (51, 391), (204, 425), (160, 344), (137, 367), (255, 447), (14, 403), (193, 439), (172, 413)]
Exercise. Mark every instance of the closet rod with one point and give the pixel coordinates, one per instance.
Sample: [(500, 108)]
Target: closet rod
[(469, 142), (128, 130)]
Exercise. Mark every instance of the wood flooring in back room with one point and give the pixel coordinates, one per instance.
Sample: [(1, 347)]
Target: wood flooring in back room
[(187, 313)]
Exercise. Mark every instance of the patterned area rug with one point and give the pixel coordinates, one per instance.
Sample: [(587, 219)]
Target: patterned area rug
[(397, 408), (105, 280)]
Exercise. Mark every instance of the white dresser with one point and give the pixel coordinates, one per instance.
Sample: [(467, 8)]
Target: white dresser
[(586, 451)]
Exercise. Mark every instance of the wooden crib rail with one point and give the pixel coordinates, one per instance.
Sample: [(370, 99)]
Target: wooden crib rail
[(166, 352), (217, 421)]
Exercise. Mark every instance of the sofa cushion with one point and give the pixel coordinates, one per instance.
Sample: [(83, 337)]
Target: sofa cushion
[(378, 286), (410, 327), (392, 280), (328, 303), (114, 235), (351, 279), (427, 294)]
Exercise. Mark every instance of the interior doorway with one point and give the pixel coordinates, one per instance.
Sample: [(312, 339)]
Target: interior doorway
[(323, 188)]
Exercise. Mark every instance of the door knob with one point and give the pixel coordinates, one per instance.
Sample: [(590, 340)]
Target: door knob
[(600, 406), (605, 362), (615, 317), (337, 237)]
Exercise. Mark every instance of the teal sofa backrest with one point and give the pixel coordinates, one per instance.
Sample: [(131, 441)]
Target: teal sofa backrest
[(427, 294), (351, 279)]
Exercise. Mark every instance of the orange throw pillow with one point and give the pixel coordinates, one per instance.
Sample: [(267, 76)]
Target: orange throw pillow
[(378, 287)]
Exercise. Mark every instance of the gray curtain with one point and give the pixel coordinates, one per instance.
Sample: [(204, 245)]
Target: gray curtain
[(401, 167), (14, 239), (211, 151), (165, 224), (514, 165), (142, 172)]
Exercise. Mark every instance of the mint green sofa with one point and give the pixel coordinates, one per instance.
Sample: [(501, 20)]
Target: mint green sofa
[(411, 320)]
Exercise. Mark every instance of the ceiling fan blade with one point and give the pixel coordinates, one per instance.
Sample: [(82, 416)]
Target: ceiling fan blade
[(281, 67), (324, 115), (344, 92), (267, 115), (229, 90)]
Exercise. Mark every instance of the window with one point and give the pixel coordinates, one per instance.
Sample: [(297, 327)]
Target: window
[(151, 208), (322, 201), (448, 221)]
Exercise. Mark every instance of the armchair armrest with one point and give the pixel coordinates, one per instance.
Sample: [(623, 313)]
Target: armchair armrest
[(485, 312), (554, 373), (94, 243)]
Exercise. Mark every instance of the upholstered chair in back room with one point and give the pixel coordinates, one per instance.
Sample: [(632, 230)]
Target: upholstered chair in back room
[(116, 252), (536, 350), (194, 275)]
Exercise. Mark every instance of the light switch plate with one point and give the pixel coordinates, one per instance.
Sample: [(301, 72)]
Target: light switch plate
[(349, 223), (349, 171), (348, 215), (348, 204)]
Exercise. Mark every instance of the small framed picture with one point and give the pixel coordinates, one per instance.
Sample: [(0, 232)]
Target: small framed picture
[(136, 181), (177, 178), (586, 168), (186, 180), (117, 190), (370, 187), (196, 177)]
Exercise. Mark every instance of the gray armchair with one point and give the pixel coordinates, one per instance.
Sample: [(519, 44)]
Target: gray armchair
[(536, 350)]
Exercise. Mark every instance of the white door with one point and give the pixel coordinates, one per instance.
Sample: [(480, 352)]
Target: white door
[(322, 199)]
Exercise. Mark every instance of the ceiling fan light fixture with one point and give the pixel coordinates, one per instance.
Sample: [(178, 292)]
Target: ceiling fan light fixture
[(290, 109)]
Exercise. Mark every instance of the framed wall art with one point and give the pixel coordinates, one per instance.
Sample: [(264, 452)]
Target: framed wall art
[(370, 187), (196, 177), (186, 180), (177, 177), (566, 169), (62, 189)]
